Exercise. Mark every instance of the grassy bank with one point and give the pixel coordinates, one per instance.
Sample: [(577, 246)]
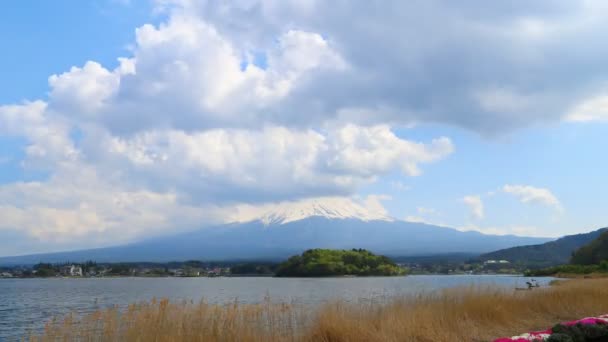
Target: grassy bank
[(466, 314)]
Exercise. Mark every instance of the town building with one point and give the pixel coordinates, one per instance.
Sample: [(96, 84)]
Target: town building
[(71, 271)]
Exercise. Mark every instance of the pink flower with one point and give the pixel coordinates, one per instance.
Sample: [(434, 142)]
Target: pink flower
[(543, 335), (533, 336)]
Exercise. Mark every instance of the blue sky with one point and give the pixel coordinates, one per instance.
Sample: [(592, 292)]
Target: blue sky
[(45, 38), (123, 119)]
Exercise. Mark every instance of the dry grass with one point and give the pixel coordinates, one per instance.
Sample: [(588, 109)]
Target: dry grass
[(582, 276), (465, 314)]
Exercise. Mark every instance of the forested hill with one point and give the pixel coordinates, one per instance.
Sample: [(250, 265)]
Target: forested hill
[(547, 254), (592, 253), (330, 262)]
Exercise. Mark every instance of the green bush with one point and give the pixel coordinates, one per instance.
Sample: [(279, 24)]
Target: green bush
[(579, 333)]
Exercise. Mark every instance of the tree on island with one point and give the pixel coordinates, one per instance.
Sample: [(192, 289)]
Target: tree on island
[(328, 262)]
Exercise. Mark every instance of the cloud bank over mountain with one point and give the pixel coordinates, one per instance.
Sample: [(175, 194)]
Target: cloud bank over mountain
[(224, 105)]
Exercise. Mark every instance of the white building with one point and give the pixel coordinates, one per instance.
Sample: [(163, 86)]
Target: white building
[(71, 271)]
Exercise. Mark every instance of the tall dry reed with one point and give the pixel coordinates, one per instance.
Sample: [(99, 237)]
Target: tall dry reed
[(464, 314)]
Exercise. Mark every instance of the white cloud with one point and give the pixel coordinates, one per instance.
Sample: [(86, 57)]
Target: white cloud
[(371, 149), (500, 68), (531, 194), (83, 90), (593, 109), (425, 215), (269, 164), (475, 204), (261, 101), (80, 209), (185, 67), (373, 203), (48, 141), (110, 189)]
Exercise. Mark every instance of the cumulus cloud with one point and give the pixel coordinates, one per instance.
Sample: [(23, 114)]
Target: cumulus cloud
[(593, 109), (83, 90), (265, 100), (272, 163), (531, 194), (475, 204), (185, 67), (48, 138), (79, 207), (488, 67), (373, 203)]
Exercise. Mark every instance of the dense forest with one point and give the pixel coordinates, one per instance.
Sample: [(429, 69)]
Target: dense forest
[(548, 254), (327, 262), (593, 253), (591, 258)]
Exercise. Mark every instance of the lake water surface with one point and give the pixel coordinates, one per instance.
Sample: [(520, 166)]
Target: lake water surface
[(26, 304)]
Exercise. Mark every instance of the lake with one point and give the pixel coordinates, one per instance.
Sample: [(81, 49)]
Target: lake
[(26, 304)]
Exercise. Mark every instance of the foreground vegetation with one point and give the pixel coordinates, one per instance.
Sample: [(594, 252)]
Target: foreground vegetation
[(466, 314), (330, 262)]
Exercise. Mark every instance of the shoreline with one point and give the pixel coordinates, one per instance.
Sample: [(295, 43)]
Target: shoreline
[(489, 313), (273, 276)]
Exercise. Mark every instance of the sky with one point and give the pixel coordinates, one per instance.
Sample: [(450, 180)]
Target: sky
[(124, 119)]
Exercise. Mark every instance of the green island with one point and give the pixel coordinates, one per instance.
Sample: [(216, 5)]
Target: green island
[(332, 263)]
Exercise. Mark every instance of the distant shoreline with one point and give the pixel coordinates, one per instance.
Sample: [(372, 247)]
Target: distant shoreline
[(322, 277)]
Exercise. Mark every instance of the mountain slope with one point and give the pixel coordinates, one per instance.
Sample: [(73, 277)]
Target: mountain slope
[(548, 254), (592, 253), (260, 240)]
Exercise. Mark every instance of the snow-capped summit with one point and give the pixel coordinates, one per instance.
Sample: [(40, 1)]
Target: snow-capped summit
[(328, 207)]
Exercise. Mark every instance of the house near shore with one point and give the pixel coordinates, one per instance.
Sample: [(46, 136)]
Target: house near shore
[(71, 271), (176, 272), (6, 275)]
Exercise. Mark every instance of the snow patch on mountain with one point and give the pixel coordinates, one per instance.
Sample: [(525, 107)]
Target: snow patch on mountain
[(369, 209), (331, 208)]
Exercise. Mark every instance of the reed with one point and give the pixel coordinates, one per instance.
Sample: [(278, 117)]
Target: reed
[(463, 314)]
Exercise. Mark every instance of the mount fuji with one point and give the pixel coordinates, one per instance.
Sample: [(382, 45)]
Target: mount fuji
[(290, 228)]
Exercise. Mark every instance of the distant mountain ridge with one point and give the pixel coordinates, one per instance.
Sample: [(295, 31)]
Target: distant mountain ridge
[(279, 238), (551, 253)]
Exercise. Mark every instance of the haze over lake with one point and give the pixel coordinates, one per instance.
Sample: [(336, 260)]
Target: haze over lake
[(28, 303)]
